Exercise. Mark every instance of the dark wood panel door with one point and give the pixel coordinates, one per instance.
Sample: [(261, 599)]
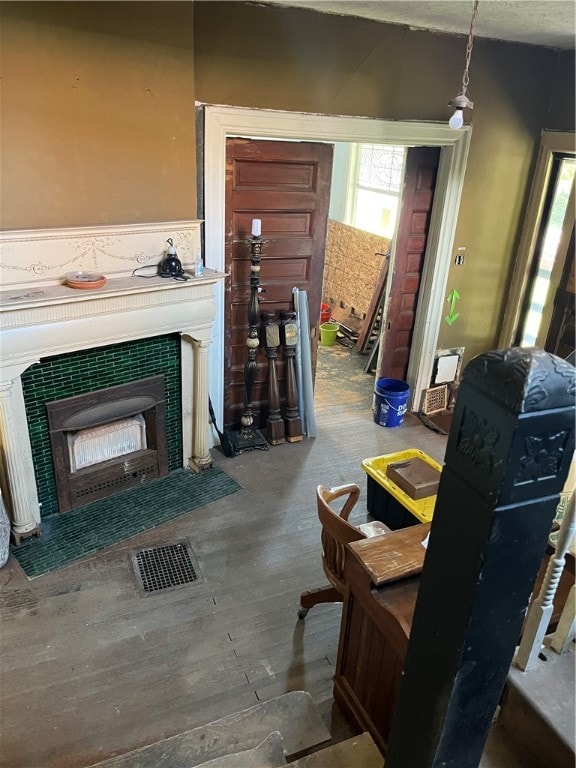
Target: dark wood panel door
[(418, 194), (287, 186)]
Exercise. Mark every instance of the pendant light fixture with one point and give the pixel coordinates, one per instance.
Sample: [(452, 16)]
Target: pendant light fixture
[(462, 102)]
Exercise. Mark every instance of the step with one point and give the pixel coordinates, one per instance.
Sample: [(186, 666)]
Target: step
[(537, 711), (268, 754), (356, 752), (293, 714)]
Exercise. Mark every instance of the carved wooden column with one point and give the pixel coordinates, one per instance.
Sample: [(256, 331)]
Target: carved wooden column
[(274, 423), (292, 420), (508, 454), (22, 499), (248, 437), (201, 458)]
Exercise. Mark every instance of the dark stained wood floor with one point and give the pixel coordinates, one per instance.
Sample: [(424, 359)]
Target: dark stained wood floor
[(90, 668)]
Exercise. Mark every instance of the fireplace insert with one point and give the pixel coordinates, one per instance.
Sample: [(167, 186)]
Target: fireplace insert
[(108, 440)]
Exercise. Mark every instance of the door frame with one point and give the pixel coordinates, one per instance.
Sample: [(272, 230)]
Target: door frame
[(550, 142), (563, 253), (221, 122)]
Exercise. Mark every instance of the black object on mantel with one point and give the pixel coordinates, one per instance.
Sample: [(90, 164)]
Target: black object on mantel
[(171, 266), (508, 454)]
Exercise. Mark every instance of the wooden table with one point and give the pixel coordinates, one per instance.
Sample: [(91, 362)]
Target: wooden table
[(382, 577)]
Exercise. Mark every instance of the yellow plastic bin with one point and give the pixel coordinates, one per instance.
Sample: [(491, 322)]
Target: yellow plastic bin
[(387, 502)]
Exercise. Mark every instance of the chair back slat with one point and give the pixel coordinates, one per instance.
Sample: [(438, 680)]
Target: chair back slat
[(337, 532)]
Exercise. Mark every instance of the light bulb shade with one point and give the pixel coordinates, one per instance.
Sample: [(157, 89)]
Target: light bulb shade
[(461, 102), (457, 120)]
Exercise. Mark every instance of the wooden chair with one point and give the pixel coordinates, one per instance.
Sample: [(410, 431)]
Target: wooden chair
[(337, 532)]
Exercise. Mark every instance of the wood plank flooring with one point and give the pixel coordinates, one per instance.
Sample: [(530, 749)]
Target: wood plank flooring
[(90, 668)]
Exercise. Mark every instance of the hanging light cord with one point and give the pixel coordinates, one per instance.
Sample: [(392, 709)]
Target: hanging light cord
[(469, 46)]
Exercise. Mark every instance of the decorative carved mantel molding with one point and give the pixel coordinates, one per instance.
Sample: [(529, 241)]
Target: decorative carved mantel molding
[(37, 257)]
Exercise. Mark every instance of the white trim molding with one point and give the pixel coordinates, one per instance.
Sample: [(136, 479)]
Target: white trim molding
[(221, 122)]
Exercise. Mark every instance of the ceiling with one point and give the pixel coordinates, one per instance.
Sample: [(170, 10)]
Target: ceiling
[(550, 23)]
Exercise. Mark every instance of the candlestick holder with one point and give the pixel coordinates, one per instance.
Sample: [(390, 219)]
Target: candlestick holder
[(248, 438)]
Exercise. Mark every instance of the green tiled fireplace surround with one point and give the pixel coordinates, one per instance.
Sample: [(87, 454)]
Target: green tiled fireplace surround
[(84, 371)]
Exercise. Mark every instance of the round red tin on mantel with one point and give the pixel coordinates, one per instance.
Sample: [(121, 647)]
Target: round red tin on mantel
[(85, 280)]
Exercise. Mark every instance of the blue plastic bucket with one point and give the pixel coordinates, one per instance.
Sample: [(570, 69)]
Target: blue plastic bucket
[(391, 402)]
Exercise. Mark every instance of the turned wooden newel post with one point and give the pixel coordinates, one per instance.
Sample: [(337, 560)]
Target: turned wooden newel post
[(274, 423), (508, 454), (292, 420)]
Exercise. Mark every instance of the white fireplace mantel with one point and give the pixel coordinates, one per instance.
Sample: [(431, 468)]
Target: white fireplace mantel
[(42, 320), (50, 320)]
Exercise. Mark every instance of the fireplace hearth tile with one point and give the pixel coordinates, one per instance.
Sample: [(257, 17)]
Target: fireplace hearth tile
[(87, 530)]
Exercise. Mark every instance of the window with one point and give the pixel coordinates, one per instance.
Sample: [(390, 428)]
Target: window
[(555, 208), (374, 193), (554, 146)]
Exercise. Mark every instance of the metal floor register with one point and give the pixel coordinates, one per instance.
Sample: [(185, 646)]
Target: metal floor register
[(165, 567)]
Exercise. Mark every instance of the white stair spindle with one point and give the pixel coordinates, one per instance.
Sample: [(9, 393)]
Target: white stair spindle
[(540, 610)]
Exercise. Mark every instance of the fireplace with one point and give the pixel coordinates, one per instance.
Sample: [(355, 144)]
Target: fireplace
[(108, 440), (45, 319)]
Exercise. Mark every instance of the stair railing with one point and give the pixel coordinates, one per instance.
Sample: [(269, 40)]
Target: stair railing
[(540, 610)]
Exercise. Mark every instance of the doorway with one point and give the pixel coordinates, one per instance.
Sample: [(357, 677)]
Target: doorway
[(328, 229), (365, 199), (223, 122), (285, 186), (374, 268)]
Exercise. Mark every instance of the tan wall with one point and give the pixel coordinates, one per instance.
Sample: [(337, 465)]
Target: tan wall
[(97, 113), (562, 114), (299, 60)]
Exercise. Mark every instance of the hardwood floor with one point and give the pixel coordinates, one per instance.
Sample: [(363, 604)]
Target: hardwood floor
[(91, 668)]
